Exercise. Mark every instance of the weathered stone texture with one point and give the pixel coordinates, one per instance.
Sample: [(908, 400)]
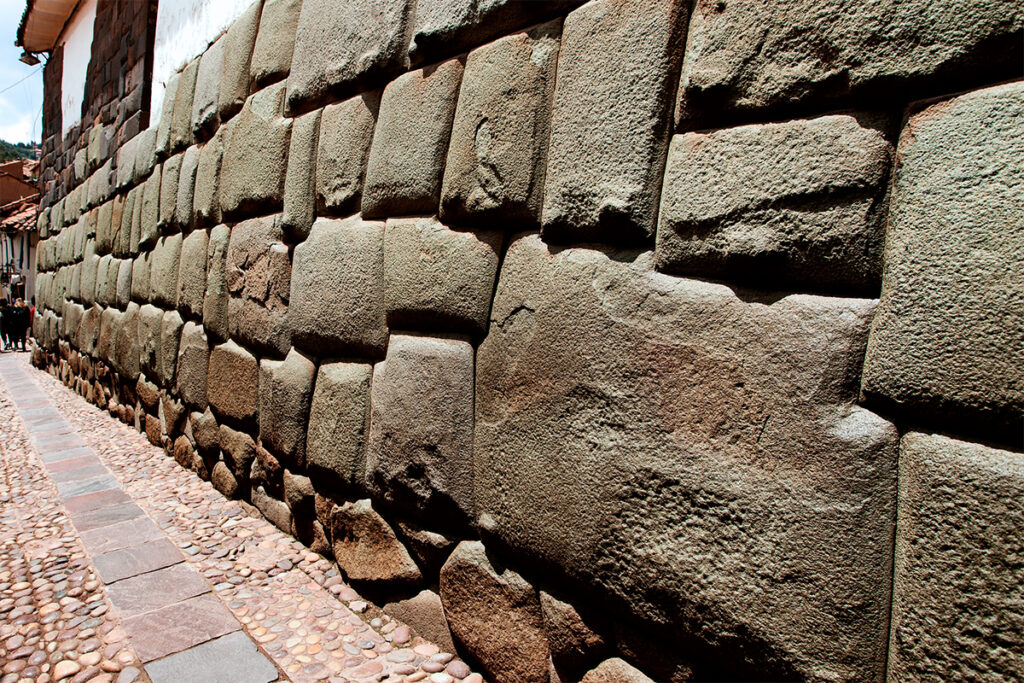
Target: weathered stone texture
[(149, 226), (232, 386), (181, 123), (664, 428), (342, 46), (752, 56), (617, 68), (574, 644), (406, 162), (947, 345), (338, 420), (150, 319), (494, 613), (286, 388), (424, 613), (346, 129), (366, 547), (794, 204), (141, 272), (337, 302), (258, 275), (419, 450), (445, 27), (167, 353), (169, 175), (615, 670), (185, 201), (215, 301), (496, 160), (162, 136), (436, 278), (192, 274), (193, 361), (957, 612), (300, 179), (275, 42), (205, 117), (239, 451), (255, 156), (126, 343), (165, 267), (206, 201), (238, 44)]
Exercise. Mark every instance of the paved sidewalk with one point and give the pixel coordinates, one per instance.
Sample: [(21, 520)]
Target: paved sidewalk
[(116, 564)]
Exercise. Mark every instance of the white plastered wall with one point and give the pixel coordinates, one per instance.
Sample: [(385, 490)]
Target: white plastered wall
[(77, 42), (184, 29)]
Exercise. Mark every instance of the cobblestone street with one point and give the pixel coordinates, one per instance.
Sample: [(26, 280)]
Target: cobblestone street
[(116, 564)]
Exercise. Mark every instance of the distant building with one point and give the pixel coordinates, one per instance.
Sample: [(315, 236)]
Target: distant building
[(19, 212)]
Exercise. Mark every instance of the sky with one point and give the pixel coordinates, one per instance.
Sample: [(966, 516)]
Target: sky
[(20, 105)]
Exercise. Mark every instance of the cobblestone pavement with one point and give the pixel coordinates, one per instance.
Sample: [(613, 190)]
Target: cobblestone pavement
[(116, 564)]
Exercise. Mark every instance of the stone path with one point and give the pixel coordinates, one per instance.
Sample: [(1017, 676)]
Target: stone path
[(116, 564)]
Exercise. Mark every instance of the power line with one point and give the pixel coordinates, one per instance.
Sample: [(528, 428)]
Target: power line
[(29, 75)]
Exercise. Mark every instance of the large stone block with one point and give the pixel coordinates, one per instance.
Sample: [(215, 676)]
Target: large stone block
[(495, 615), (617, 68), (419, 451), (185, 202), (341, 48), (238, 44), (181, 123), (150, 320), (367, 550), (124, 282), (166, 264), (615, 670), (275, 41), (424, 613), (239, 451), (193, 360), (436, 278), (747, 57), (258, 275), (110, 324), (162, 136), (205, 102), (406, 163), (141, 276), (337, 297), (957, 612), (192, 274), (445, 27), (206, 199), (167, 354), (256, 156), (126, 343), (346, 129), (286, 388), (300, 179), (496, 160), (169, 175), (794, 204), (149, 215), (232, 382), (947, 345), (215, 301), (641, 432), (338, 420), (89, 330), (90, 272)]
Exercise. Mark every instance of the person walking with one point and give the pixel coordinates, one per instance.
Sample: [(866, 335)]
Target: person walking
[(19, 325), (5, 321)]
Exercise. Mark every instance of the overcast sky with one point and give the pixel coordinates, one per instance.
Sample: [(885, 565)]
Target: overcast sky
[(20, 105)]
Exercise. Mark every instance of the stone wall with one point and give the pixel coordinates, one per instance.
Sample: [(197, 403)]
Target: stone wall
[(581, 332)]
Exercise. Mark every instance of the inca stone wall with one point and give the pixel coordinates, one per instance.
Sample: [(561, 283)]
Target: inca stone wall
[(637, 338)]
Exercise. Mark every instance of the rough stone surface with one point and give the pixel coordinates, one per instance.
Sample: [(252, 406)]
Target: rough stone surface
[(340, 47), (617, 68), (436, 278), (346, 129), (495, 615), (184, 213), (717, 451), (256, 156), (169, 175), (275, 42), (779, 205), (238, 44), (162, 136), (149, 216), (957, 613), (574, 644), (947, 345), (424, 613), (124, 282), (233, 382), (239, 451), (206, 200), (141, 275), (429, 548), (419, 450), (126, 343), (193, 360), (215, 301), (338, 419), (165, 267), (167, 354), (192, 274), (150, 320), (406, 163), (205, 117), (181, 123), (367, 549), (274, 510), (300, 179), (751, 56), (205, 429), (258, 275), (446, 27), (286, 389), (223, 480), (615, 670), (337, 302), (496, 160)]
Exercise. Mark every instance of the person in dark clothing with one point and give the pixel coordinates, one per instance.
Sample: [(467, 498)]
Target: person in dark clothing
[(19, 325), (5, 324)]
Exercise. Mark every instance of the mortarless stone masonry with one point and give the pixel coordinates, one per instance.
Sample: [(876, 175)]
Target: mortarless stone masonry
[(628, 303)]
